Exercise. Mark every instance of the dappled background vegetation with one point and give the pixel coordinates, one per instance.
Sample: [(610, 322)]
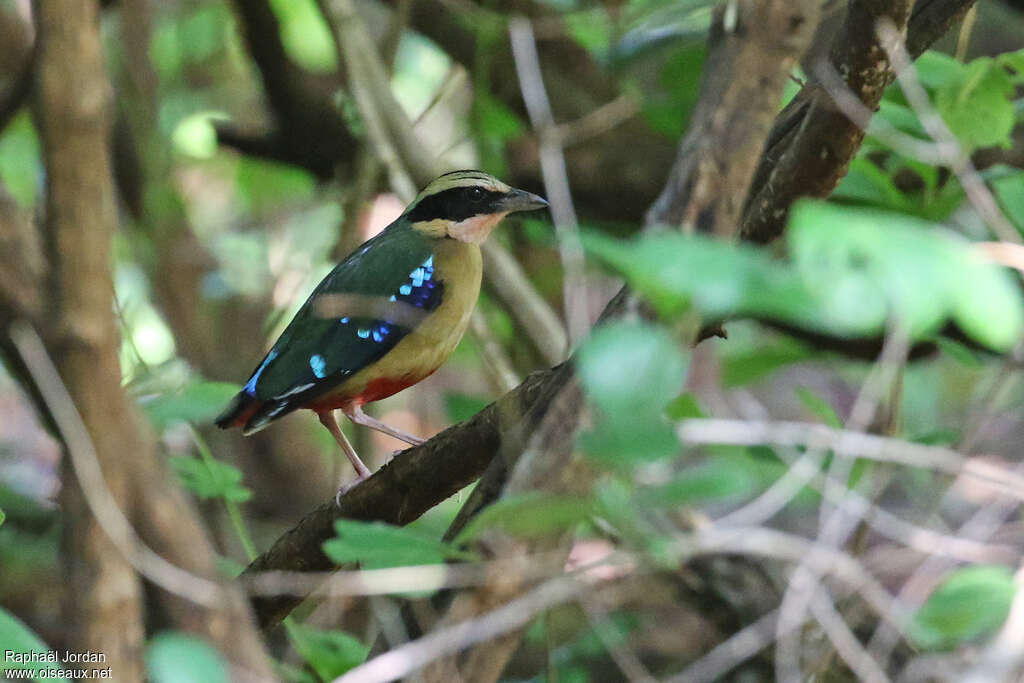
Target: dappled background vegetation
[(244, 167)]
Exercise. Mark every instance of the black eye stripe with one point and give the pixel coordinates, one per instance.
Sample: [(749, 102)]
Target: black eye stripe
[(453, 204)]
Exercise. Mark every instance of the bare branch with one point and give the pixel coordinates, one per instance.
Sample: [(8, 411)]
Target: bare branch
[(851, 444), (412, 483), (758, 44), (556, 179), (812, 143)]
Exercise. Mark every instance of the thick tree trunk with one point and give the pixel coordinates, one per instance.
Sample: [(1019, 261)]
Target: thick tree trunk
[(73, 97)]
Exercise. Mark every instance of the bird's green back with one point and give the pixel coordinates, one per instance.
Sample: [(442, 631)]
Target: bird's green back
[(354, 316)]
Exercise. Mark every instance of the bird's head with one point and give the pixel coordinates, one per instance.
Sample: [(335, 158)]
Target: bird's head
[(466, 205)]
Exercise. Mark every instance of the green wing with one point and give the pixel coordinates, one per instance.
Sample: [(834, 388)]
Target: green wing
[(349, 321)]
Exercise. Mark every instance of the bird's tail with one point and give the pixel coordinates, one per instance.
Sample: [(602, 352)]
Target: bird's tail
[(241, 409)]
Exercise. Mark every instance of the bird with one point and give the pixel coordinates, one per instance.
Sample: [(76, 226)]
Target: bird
[(386, 317)]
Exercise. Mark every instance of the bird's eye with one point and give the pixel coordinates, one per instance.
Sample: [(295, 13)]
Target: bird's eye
[(475, 194)]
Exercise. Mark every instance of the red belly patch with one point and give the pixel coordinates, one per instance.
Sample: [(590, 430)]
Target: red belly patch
[(374, 391)]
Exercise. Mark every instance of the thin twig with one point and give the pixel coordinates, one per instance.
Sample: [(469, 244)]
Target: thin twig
[(556, 178), (805, 469), (406, 659), (980, 526), (598, 122), (495, 358), (846, 644), (507, 280), (731, 652), (850, 444), (86, 465), (609, 635), (974, 186)]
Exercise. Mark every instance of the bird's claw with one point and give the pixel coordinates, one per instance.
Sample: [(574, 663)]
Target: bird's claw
[(345, 488)]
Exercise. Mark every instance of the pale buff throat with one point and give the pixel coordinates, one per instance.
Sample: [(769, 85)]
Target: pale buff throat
[(476, 229), (473, 230)]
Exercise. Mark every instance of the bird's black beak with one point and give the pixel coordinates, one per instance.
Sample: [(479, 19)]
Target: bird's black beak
[(520, 200)]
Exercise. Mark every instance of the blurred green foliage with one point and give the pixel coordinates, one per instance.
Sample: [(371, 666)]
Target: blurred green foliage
[(851, 271), (971, 602), (176, 657), (330, 653), (19, 638), (893, 244), (376, 545)]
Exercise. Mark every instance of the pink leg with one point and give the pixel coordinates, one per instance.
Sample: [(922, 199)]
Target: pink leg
[(362, 471), (357, 415)]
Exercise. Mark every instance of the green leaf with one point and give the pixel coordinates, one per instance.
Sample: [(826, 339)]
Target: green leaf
[(2, 517), (631, 371), (495, 119), (866, 182), (631, 367), (899, 116), (978, 105), (527, 515), (196, 402), (938, 70), (592, 30), (623, 440), (741, 369), (305, 34), (674, 271), (376, 545), (958, 352), (924, 274), (818, 407), (866, 263), (20, 160), (1015, 62), (211, 479), (1009, 189), (683, 407), (987, 302), (716, 479), (329, 652), (266, 185), (970, 603), (850, 271), (174, 657), (19, 638)]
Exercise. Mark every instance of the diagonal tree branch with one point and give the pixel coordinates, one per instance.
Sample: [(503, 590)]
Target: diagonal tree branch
[(812, 143), (412, 483), (749, 63)]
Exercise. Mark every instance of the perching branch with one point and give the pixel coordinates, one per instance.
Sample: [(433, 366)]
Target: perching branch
[(412, 483)]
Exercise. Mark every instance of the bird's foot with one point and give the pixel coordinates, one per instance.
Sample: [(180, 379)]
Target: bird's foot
[(345, 488)]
